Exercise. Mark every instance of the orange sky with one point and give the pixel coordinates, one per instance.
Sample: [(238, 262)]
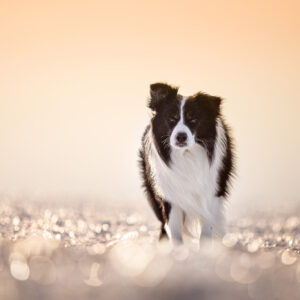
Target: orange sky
[(74, 80)]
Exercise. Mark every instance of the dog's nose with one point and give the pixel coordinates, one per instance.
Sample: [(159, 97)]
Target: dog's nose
[(181, 137)]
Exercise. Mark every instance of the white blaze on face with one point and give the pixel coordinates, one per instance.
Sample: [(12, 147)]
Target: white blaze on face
[(182, 132)]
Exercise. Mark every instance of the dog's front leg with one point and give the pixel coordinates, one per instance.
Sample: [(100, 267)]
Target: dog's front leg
[(206, 229), (175, 224), (215, 225)]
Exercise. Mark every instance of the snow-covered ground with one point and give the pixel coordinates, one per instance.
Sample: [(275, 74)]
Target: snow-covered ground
[(84, 252)]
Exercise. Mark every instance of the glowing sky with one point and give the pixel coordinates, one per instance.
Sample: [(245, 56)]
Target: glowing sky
[(74, 80)]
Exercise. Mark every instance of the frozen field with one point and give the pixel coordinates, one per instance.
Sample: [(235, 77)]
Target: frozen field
[(83, 252)]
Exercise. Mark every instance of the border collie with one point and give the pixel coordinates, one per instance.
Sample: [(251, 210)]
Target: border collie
[(186, 162)]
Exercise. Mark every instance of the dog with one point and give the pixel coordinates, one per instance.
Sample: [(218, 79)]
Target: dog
[(186, 162)]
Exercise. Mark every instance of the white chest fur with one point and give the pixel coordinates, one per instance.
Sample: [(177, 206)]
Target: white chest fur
[(190, 180)]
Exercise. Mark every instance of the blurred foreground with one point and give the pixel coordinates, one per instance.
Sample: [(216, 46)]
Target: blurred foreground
[(84, 252)]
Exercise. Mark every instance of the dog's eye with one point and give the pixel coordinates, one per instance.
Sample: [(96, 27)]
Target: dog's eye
[(172, 121), (191, 120)]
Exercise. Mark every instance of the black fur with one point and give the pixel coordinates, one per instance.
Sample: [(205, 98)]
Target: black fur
[(204, 109), (200, 114), (227, 171), (160, 207), (160, 93), (166, 105)]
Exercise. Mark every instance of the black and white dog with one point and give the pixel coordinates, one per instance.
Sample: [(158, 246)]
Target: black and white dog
[(187, 162)]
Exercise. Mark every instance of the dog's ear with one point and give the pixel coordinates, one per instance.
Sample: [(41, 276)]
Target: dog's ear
[(216, 103), (160, 92), (213, 103)]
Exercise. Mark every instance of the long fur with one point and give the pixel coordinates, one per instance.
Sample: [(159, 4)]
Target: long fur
[(186, 185)]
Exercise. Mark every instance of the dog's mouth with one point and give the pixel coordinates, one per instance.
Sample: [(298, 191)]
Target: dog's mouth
[(181, 144), (182, 147)]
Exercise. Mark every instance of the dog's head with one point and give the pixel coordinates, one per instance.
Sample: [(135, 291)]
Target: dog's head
[(181, 122)]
